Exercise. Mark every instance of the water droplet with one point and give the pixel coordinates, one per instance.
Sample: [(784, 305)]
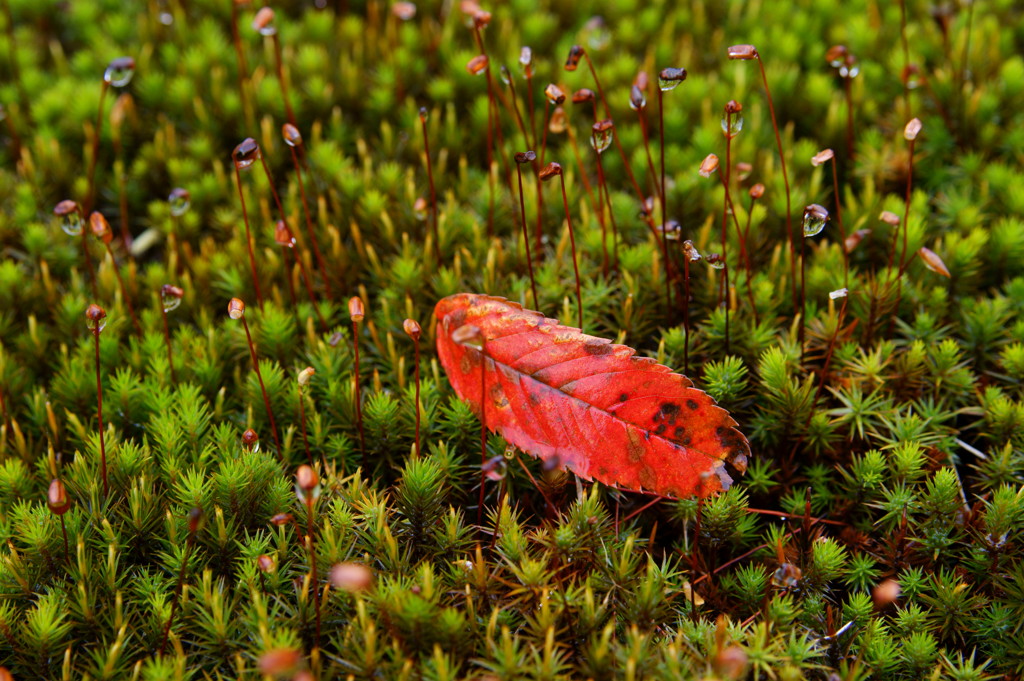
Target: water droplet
[(264, 22), (526, 157), (815, 217), (788, 576), (672, 231), (100, 227), (637, 101), (583, 95), (419, 208), (838, 293), (251, 443), (405, 11), (597, 34), (95, 318), (307, 484), (236, 308), (912, 129), (506, 77), (246, 153), (412, 328), (120, 71), (670, 78), (576, 53), (742, 52), (732, 124), (601, 135), (291, 134), (166, 18), (424, 114), (715, 260), (283, 235), (525, 57), (495, 468), (477, 64), (559, 121), (170, 297), (554, 94), (691, 251), (180, 201), (70, 217)]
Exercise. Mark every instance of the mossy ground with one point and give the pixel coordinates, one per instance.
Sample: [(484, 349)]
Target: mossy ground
[(905, 464)]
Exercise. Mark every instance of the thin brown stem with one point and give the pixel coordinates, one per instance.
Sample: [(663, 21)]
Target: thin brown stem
[(686, 313), (417, 370), (124, 291), (572, 242), (167, 340), (310, 228), (122, 197), (483, 431), (314, 578), (433, 192), (664, 219), (263, 389), (288, 276), (359, 405), (243, 68), (99, 416), (529, 257), (279, 62), (839, 221), (248, 240), (848, 87), (302, 422), (785, 180), (831, 348), (540, 201), (603, 185), (530, 107), (95, 152), (725, 217)]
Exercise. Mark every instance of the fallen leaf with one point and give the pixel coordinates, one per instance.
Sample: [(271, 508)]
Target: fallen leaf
[(586, 404)]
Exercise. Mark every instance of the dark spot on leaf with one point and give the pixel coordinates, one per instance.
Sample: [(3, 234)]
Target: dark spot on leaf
[(623, 397), (597, 348), (660, 429), (692, 405)]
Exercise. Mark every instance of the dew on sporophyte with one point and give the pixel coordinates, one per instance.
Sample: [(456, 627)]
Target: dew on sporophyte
[(691, 251), (815, 217), (637, 100), (601, 135), (672, 231), (597, 34), (180, 201), (576, 53), (732, 124), (119, 72), (405, 11), (715, 260), (526, 157), (264, 22), (170, 297), (419, 208), (246, 153), (525, 57), (838, 293), (70, 217), (742, 52), (554, 94), (708, 165), (95, 318), (305, 376), (236, 308), (670, 78), (292, 136), (477, 64), (100, 227), (283, 235), (506, 77), (250, 441)]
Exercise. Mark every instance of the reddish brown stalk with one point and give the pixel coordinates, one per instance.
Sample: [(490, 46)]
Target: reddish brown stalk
[(583, 172), (248, 240), (412, 328), (842, 232), (95, 316), (539, 233), (515, 105), (557, 169), (641, 113), (303, 378), (57, 501), (167, 339), (308, 489), (729, 111), (664, 219), (100, 228), (686, 313), (848, 87), (433, 191), (906, 57), (288, 276), (356, 312), (483, 430), (243, 68), (122, 196), (525, 157), (95, 151), (602, 189), (7, 414), (294, 139), (831, 348), (279, 62), (236, 310)]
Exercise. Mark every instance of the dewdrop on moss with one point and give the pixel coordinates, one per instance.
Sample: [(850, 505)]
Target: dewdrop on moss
[(554, 94), (236, 308), (419, 208), (477, 64), (525, 57), (170, 297), (601, 135), (838, 293), (708, 165), (495, 468), (815, 217), (70, 217), (179, 201), (246, 153), (732, 119), (95, 318), (637, 100), (264, 22), (305, 376), (691, 251), (283, 235), (100, 228), (716, 261), (119, 72), (912, 129), (250, 440), (292, 136), (670, 78)]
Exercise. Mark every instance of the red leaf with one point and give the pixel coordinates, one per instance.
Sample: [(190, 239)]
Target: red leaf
[(585, 403)]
